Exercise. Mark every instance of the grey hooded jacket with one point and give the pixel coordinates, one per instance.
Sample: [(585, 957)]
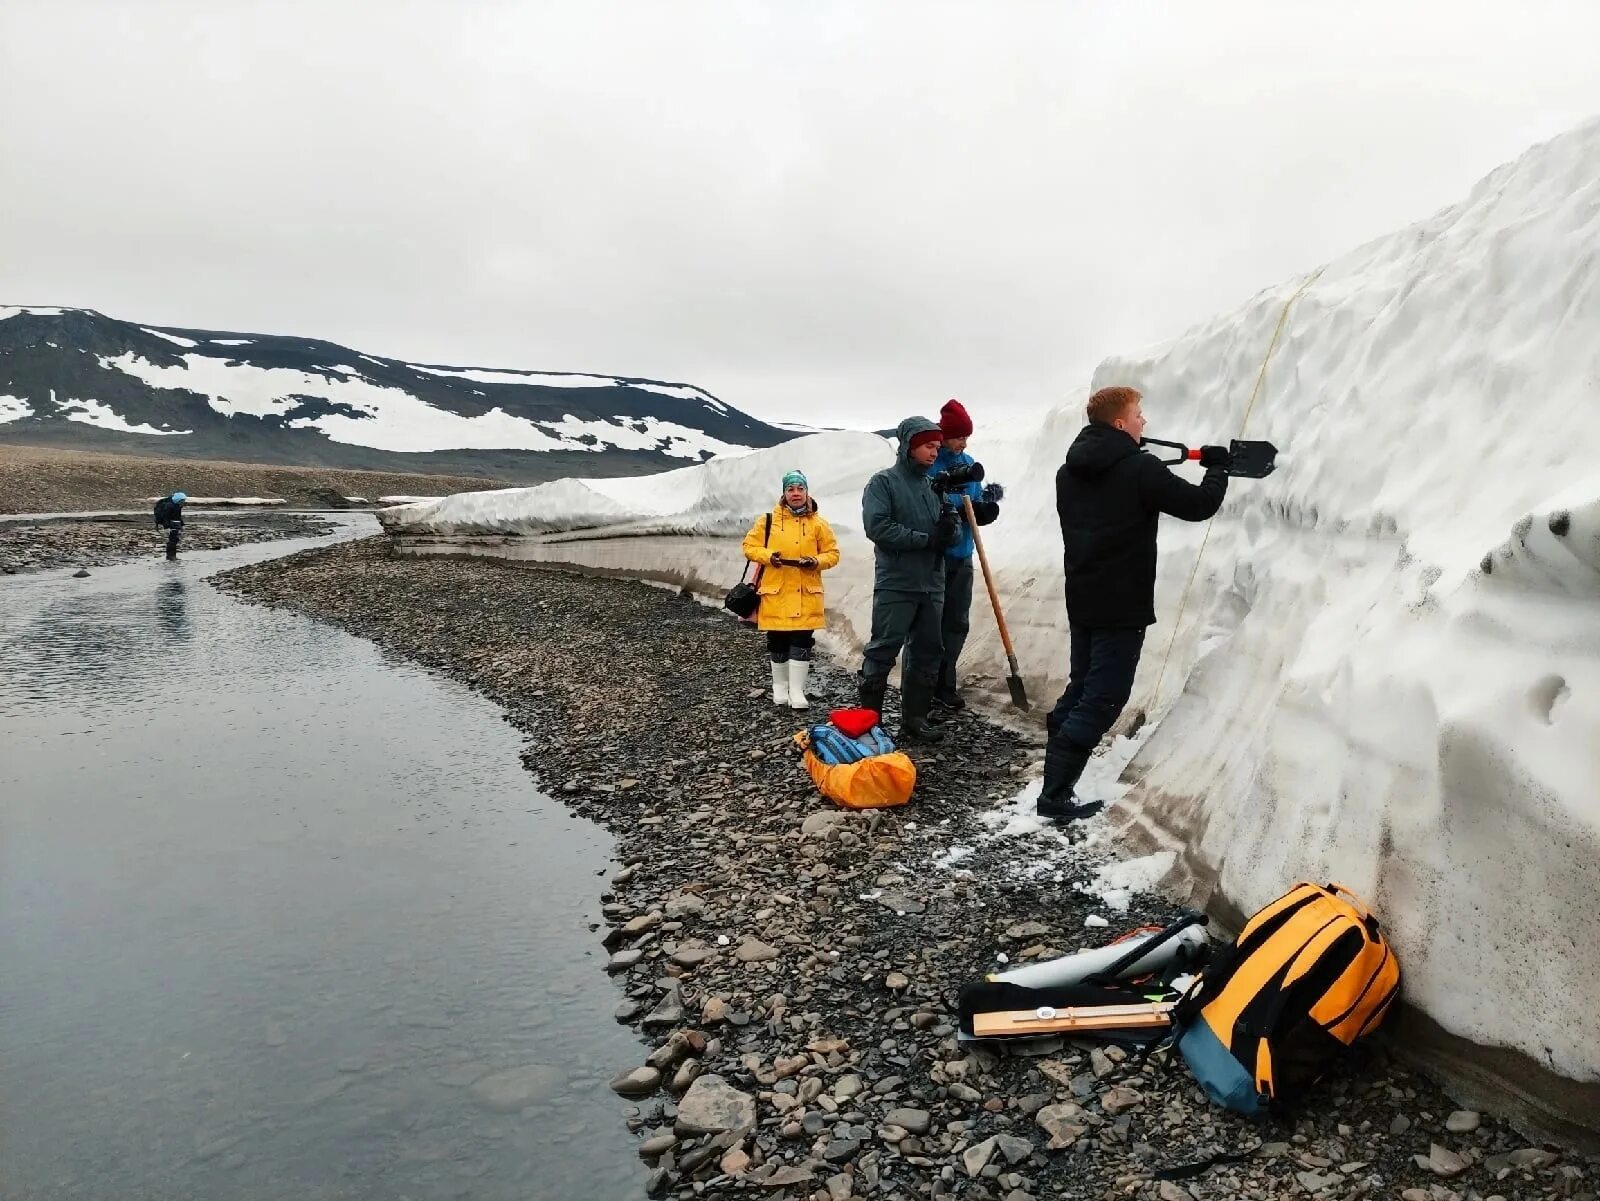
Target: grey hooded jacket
[(899, 511)]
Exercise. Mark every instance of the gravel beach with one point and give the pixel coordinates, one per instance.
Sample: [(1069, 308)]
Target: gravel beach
[(41, 479), (84, 542), (789, 966)]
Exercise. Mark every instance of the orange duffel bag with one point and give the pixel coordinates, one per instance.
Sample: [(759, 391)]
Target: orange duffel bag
[(873, 782)]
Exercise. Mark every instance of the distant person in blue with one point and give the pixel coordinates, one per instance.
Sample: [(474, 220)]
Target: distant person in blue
[(169, 516), (956, 427)]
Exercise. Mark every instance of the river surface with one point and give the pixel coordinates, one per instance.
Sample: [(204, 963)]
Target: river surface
[(281, 917)]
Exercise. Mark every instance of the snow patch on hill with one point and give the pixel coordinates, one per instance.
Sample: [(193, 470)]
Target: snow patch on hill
[(390, 418)]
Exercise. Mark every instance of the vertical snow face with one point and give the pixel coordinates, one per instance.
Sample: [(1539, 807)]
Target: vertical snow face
[(1389, 662), (1386, 671)]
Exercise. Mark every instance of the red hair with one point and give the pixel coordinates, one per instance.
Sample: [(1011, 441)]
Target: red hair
[(1108, 404)]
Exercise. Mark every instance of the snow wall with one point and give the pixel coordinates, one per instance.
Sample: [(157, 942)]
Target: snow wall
[(1386, 671)]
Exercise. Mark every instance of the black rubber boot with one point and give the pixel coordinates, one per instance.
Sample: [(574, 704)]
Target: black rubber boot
[(916, 698), (945, 693), (1063, 764), (869, 694)]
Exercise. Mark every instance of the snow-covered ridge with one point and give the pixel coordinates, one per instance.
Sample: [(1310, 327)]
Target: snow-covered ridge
[(30, 310), (1387, 670), (281, 396), (390, 418)]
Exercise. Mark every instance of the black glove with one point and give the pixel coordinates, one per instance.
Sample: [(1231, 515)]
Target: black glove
[(948, 531), (808, 563), (1216, 456), (777, 559), (993, 493)]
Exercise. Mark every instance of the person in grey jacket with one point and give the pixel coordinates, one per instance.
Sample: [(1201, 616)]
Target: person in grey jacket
[(909, 529)]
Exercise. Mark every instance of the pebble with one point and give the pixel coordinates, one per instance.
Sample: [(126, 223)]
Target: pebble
[(692, 957), (913, 1121), (657, 1145), (624, 960), (753, 950), (1121, 1099), (1442, 1161), (1463, 1121), (1065, 1124), (841, 1149), (1013, 1148), (712, 1105), (668, 1011), (636, 1082), (976, 1157)]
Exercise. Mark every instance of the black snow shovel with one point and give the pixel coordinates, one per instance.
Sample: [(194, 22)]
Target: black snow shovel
[(1251, 460), (1019, 695)]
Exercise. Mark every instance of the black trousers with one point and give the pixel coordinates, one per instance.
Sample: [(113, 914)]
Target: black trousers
[(957, 619), (783, 645), (904, 619), (1101, 680), (174, 532)]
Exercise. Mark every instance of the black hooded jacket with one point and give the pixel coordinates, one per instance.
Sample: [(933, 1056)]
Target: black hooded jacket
[(1110, 495), (168, 513)]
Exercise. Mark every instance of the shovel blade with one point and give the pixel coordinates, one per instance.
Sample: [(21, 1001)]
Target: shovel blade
[(1253, 460), (1019, 695)]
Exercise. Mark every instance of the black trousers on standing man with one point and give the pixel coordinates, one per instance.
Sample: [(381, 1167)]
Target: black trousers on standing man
[(1104, 662)]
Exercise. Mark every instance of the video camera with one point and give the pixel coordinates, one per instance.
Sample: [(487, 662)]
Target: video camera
[(957, 477), (1250, 460)]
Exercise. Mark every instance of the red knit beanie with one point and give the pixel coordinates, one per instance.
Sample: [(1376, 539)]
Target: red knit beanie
[(953, 420), (925, 436)]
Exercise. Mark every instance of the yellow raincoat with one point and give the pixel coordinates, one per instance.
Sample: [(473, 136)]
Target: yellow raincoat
[(791, 595)]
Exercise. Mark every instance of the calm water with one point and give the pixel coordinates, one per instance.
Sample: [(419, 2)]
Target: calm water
[(273, 908)]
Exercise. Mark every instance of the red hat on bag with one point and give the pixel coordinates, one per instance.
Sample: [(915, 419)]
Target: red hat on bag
[(953, 420)]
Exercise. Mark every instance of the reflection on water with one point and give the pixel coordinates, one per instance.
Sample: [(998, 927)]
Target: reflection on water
[(280, 919)]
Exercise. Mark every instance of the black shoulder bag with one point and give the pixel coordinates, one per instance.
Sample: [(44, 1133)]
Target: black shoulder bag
[(742, 598)]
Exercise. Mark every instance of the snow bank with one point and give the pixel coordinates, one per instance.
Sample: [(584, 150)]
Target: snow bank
[(1387, 669), (14, 408)]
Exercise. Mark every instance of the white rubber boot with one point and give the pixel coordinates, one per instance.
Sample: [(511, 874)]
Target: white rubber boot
[(799, 673), (780, 683)]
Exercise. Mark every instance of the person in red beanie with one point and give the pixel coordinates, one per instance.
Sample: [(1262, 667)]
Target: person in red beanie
[(956, 427)]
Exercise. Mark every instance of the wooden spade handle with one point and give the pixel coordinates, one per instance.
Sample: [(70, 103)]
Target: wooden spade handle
[(988, 579), (1151, 1015)]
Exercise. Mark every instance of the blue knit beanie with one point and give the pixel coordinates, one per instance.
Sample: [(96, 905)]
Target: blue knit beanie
[(790, 478)]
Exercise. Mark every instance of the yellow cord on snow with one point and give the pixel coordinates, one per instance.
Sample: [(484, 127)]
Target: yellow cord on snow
[(1255, 393)]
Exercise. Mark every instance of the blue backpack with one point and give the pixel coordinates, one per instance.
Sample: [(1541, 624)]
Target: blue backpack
[(834, 747)]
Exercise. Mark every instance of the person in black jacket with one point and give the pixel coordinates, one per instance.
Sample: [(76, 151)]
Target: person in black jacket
[(1110, 496), (169, 516)]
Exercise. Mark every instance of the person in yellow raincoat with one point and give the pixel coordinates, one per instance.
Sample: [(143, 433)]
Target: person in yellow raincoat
[(793, 557)]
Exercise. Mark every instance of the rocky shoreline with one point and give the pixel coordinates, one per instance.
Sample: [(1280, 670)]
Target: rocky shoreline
[(84, 542), (791, 966), (40, 479)]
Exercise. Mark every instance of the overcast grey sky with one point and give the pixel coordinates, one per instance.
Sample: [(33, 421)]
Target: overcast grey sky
[(835, 212)]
